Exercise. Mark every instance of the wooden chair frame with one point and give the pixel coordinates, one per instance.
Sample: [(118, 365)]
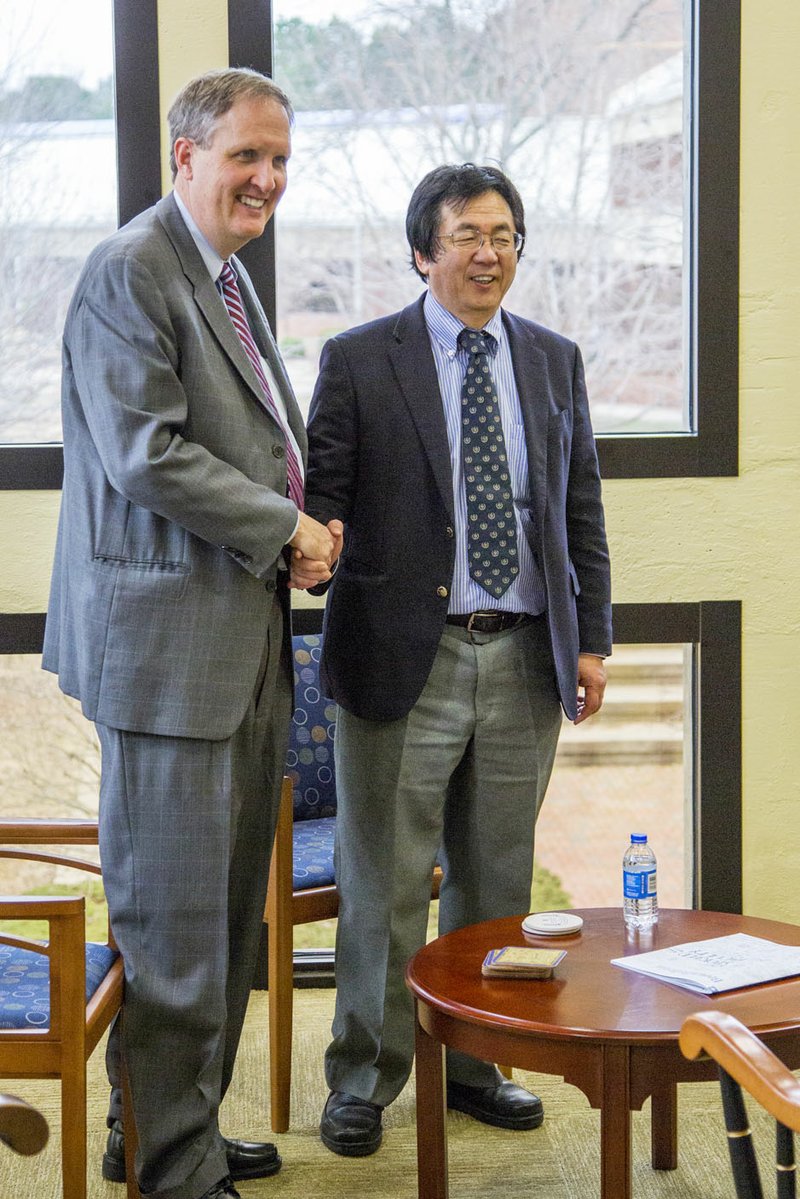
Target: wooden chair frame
[(285, 908), (63, 1049), (744, 1061)]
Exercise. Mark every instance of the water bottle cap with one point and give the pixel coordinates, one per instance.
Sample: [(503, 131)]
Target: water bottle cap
[(639, 838)]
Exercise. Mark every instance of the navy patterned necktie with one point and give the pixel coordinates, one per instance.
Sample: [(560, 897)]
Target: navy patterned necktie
[(491, 523), (233, 302)]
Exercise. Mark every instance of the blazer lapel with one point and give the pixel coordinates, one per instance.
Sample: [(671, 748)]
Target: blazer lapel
[(208, 299), (259, 326), (533, 385), (412, 359)]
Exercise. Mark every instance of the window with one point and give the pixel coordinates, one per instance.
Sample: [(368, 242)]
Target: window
[(628, 769), (588, 110), (58, 196), (338, 270), (698, 798), (57, 63)]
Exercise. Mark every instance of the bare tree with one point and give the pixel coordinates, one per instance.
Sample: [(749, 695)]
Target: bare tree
[(550, 90), (45, 229)]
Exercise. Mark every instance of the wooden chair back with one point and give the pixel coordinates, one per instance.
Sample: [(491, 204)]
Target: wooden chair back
[(60, 1046)]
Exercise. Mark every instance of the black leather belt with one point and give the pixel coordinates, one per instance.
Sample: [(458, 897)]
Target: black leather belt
[(489, 622)]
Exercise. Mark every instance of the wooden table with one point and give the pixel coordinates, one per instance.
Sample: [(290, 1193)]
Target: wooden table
[(608, 1031)]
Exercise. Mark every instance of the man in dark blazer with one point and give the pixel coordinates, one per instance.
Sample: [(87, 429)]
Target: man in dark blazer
[(450, 658), (168, 617)]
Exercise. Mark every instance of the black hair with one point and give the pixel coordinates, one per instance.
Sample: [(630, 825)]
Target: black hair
[(456, 185)]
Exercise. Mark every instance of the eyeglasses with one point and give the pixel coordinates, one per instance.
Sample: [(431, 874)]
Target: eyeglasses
[(472, 239)]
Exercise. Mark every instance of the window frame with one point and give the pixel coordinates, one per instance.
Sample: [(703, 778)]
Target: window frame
[(714, 147)]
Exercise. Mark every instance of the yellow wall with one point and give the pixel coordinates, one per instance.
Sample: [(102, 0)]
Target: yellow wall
[(685, 540)]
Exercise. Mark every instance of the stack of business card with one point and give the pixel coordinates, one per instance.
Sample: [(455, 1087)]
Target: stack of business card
[(517, 961)]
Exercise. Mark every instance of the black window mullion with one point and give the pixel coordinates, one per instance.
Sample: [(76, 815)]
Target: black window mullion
[(250, 45)]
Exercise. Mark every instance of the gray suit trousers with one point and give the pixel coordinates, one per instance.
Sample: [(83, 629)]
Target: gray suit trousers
[(462, 775), (186, 830)]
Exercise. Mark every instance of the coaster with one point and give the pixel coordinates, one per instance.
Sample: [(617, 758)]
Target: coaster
[(552, 924)]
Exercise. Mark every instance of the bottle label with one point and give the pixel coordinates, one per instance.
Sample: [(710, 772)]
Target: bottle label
[(639, 884)]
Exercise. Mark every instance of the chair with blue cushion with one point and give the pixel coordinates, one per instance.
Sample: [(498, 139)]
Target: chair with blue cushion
[(57, 997), (302, 886)]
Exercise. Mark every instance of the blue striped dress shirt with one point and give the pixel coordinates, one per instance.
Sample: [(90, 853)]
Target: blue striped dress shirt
[(526, 593)]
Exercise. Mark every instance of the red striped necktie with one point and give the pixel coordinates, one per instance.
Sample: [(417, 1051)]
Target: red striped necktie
[(233, 302)]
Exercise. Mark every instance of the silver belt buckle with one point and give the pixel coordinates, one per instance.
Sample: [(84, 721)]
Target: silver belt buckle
[(482, 615)]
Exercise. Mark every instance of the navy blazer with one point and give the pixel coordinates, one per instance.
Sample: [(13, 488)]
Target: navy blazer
[(379, 460)]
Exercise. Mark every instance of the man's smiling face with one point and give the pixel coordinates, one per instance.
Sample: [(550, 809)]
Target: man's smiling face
[(472, 283), (232, 186)]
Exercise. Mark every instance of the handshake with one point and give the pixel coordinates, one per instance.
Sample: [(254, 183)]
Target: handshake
[(315, 548)]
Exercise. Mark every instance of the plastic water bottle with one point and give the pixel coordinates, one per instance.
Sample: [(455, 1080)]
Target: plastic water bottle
[(639, 902)]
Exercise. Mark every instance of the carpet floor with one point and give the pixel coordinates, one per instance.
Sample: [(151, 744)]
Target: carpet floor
[(560, 1160)]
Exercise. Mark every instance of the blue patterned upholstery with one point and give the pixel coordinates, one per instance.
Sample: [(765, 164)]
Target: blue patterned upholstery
[(25, 983), (309, 765)]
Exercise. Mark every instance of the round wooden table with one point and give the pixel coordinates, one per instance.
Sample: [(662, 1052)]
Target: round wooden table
[(608, 1031)]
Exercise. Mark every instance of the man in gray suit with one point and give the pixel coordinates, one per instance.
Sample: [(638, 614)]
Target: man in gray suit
[(168, 616), (471, 603)]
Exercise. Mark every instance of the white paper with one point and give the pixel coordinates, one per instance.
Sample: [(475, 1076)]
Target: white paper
[(719, 964)]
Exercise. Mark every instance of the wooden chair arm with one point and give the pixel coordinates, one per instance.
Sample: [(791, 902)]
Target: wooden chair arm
[(50, 859), (40, 907), (48, 832), (52, 908), (66, 918), (740, 1053)]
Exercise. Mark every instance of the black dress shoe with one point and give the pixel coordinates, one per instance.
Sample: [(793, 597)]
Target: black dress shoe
[(504, 1105), (350, 1126), (246, 1159), (222, 1190)]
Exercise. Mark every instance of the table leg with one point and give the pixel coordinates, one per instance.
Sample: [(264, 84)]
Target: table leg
[(615, 1124), (664, 1126), (431, 1115)]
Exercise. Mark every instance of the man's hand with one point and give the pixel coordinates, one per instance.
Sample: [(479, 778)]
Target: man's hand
[(308, 571), (313, 540), (592, 678)]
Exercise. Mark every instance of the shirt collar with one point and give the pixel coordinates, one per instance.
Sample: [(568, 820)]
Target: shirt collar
[(445, 327), (207, 252)]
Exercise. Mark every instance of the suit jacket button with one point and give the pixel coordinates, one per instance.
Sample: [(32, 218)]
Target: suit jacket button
[(450, 531), (441, 592), (278, 451), (271, 585)]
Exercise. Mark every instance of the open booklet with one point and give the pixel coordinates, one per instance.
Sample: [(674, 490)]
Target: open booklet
[(719, 964)]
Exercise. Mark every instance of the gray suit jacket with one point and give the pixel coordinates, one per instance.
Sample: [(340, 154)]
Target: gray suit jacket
[(174, 510), (379, 460)]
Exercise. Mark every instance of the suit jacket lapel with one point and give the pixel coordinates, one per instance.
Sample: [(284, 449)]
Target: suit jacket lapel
[(262, 333), (212, 306), (412, 359), (533, 386)]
